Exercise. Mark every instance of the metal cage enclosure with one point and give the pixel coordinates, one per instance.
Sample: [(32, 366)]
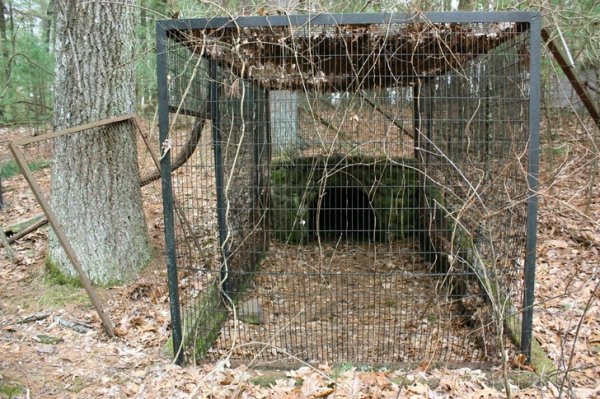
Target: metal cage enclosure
[(350, 188)]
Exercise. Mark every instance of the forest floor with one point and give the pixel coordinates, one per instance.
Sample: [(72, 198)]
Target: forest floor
[(41, 357)]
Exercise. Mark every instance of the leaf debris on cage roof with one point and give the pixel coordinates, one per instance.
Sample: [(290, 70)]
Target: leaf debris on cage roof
[(345, 57)]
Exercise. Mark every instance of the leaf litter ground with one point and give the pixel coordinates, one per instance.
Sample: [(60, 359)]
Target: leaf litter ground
[(44, 358)]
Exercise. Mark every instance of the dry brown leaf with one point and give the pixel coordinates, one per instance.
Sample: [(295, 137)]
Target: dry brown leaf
[(485, 393), (312, 385), (417, 388), (557, 243), (520, 362)]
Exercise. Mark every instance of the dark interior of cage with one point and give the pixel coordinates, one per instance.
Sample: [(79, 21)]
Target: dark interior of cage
[(337, 239)]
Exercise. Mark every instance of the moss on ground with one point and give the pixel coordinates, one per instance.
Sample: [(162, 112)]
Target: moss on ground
[(55, 276), (202, 329), (10, 168), (10, 391)]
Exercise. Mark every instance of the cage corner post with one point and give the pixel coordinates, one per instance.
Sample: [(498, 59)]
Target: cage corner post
[(167, 190), (532, 179)]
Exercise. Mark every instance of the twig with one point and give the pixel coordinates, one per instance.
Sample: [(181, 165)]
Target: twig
[(30, 229), (587, 307), (385, 114), (78, 326), (34, 317)]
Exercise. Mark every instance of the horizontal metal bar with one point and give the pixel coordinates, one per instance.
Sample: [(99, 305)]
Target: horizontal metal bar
[(348, 19), (58, 133)]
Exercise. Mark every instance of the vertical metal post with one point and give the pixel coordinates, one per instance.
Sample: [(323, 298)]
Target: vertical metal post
[(167, 190), (255, 107), (267, 147), (421, 211), (532, 180), (429, 121), (416, 119), (216, 139)]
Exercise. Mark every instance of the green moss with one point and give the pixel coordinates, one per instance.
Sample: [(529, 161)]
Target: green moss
[(522, 379), (432, 318), (9, 391), (390, 303), (209, 317), (401, 381), (48, 339), (267, 380), (340, 369), (10, 168), (77, 384), (55, 277), (57, 296), (296, 184), (201, 328)]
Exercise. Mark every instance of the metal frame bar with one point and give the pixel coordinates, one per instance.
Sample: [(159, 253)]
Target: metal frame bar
[(219, 178), (583, 94), (341, 19), (167, 191), (59, 133), (15, 149), (533, 166)]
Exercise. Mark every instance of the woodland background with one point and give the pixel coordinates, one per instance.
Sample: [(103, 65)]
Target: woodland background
[(43, 358)]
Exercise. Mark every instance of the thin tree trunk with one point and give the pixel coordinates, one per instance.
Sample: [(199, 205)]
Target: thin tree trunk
[(3, 36), (95, 181), (466, 5), (143, 15), (48, 23), (10, 31)]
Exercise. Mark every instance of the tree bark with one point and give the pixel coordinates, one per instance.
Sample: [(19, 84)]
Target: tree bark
[(95, 180)]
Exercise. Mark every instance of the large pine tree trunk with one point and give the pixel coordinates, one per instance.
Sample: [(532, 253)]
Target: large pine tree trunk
[(95, 180)]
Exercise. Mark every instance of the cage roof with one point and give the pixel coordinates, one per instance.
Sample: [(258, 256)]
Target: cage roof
[(346, 57)]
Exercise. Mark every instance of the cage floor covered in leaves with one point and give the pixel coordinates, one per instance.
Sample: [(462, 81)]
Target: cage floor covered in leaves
[(350, 188), (350, 302)]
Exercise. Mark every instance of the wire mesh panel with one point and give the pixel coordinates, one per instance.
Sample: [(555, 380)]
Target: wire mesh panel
[(347, 188)]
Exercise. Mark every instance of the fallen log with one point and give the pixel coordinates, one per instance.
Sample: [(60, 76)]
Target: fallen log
[(41, 222)]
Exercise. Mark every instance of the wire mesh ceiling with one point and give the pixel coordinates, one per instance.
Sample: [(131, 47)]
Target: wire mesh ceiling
[(345, 57)]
